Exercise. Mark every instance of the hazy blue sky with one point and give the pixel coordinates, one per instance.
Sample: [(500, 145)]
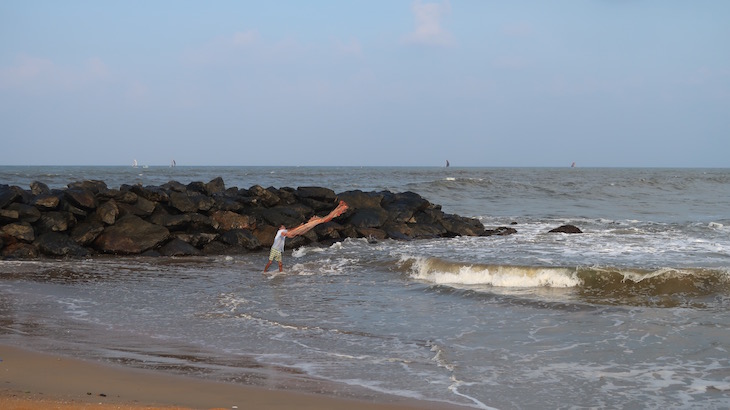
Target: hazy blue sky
[(377, 82)]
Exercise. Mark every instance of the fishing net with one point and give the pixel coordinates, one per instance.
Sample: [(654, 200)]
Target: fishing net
[(316, 220)]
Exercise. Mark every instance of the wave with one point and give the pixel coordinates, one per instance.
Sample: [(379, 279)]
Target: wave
[(606, 285)]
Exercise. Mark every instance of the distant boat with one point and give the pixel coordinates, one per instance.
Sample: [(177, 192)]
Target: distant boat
[(134, 164), (447, 163), (572, 165), (172, 164)]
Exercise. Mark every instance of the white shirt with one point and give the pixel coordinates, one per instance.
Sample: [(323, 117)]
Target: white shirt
[(279, 240)]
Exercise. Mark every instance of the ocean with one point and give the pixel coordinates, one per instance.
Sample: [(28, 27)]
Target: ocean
[(632, 313)]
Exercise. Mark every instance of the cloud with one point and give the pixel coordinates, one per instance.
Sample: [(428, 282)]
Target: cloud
[(245, 38), (428, 30), (352, 47), (33, 73)]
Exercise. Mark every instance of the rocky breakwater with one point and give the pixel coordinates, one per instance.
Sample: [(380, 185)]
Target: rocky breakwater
[(87, 218)]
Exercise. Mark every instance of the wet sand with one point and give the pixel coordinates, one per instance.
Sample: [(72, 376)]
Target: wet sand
[(32, 380)]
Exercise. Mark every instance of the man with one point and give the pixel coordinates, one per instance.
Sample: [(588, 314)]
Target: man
[(277, 248)]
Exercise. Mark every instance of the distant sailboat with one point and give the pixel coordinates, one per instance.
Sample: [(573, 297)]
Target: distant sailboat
[(447, 163), (172, 164), (134, 164), (572, 165)]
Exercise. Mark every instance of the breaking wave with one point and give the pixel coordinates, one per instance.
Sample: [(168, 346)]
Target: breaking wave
[(605, 285)]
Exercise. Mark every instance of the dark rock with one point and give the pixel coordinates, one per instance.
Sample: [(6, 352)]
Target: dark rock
[(202, 202), (240, 237), (126, 197), (55, 221), (402, 206), (358, 199), (108, 212), (181, 201), (142, 208), (368, 217), (501, 231), (131, 235), (566, 229), (177, 247), (26, 213), (20, 230), (95, 186), (38, 188), (196, 186), (263, 196), (215, 186), (82, 198), (373, 233), (86, 232), (151, 193), (317, 193), (46, 202), (20, 250), (228, 220), (9, 215), (197, 239), (7, 195), (58, 244), (461, 226), (288, 215), (175, 186)]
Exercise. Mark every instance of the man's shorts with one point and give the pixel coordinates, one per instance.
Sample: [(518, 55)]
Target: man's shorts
[(275, 255)]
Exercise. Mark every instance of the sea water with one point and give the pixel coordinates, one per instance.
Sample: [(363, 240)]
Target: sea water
[(632, 313)]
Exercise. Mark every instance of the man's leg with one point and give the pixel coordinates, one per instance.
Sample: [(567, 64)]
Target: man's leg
[(267, 265), (281, 267)]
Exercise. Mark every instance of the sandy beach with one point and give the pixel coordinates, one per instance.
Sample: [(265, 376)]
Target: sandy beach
[(32, 380)]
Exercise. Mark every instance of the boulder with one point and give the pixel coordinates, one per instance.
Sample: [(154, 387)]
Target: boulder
[(55, 221), (20, 250), (9, 215), (215, 186), (461, 226), (151, 193), (177, 247), (108, 212), (501, 231), (25, 212), (46, 202), (95, 186), (358, 199), (58, 244), (82, 198), (317, 193), (402, 206), (38, 188), (228, 220), (131, 235), (566, 229), (86, 232), (368, 217), (7, 195), (20, 230), (263, 196), (240, 237), (197, 239), (181, 201)]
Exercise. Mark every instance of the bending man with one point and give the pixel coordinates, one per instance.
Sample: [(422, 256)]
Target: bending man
[(278, 247)]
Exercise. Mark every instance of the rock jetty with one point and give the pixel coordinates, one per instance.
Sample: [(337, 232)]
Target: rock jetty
[(88, 218)]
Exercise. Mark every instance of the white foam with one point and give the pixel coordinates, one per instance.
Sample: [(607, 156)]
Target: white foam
[(499, 276)]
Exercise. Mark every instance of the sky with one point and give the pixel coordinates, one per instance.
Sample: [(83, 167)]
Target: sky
[(480, 83)]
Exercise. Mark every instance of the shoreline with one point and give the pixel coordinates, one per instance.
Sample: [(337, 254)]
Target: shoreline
[(32, 379)]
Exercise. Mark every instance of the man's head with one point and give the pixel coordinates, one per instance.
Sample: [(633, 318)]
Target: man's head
[(282, 227)]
